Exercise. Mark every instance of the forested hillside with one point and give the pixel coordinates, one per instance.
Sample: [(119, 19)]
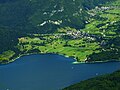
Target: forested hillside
[(41, 16), (105, 82), (29, 18), (44, 16)]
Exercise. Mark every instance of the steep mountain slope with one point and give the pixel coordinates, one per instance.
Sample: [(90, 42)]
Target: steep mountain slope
[(44, 16), (40, 16), (30, 18)]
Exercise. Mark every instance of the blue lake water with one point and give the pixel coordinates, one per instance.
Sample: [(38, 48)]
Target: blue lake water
[(49, 72)]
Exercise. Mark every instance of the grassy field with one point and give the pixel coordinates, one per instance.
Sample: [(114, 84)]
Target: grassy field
[(78, 48), (96, 42)]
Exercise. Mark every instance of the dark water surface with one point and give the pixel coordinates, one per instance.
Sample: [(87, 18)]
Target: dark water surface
[(48, 72)]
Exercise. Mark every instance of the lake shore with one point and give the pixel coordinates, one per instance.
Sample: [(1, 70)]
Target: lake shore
[(34, 69), (75, 62)]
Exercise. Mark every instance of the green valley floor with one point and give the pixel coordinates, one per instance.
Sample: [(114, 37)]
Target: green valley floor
[(97, 42)]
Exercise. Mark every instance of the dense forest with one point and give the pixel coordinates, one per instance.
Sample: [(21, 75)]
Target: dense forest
[(28, 15), (105, 82)]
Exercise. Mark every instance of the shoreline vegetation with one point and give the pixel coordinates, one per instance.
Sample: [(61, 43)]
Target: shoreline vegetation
[(75, 62)]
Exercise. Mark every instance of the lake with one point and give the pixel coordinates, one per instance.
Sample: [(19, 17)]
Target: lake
[(49, 72)]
